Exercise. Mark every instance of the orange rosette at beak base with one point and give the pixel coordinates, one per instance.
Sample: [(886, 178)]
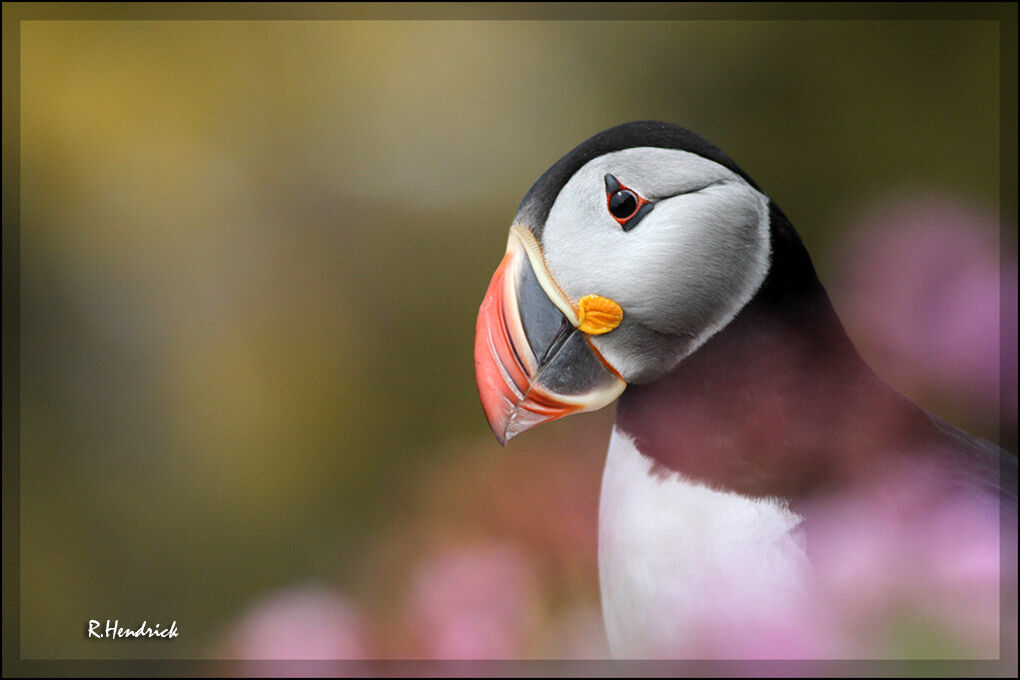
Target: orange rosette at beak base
[(597, 315)]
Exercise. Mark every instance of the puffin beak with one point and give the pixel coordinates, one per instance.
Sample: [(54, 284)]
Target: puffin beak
[(532, 362)]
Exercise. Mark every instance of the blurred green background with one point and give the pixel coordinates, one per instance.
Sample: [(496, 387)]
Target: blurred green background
[(251, 258)]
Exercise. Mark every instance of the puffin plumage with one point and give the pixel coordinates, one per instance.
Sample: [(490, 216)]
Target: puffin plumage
[(750, 436)]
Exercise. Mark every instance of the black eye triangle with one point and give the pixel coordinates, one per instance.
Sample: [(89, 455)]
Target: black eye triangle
[(626, 206), (636, 217)]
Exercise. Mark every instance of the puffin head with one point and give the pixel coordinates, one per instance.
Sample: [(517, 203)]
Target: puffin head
[(625, 256)]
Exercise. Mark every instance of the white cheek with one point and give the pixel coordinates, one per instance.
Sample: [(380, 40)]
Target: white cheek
[(697, 254), (686, 270), (705, 262), (587, 251)]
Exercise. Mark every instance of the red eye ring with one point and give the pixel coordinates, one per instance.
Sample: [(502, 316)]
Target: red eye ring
[(625, 205)]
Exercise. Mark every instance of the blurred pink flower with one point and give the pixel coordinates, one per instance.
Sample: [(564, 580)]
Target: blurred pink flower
[(307, 623), (474, 603), (889, 569), (479, 489), (920, 288), (905, 566)]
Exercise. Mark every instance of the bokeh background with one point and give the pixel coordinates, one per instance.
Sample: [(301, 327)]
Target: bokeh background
[(251, 258)]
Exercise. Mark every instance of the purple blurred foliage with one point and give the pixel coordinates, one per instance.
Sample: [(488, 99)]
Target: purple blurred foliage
[(496, 557), (918, 286), (910, 564), (904, 567), (476, 602), (305, 623)]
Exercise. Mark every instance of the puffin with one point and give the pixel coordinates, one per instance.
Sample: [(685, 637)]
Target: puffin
[(765, 494)]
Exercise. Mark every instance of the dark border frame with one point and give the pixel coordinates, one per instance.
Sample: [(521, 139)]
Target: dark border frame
[(1005, 13)]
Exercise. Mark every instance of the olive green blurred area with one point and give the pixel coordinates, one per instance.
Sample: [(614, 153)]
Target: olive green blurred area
[(252, 253)]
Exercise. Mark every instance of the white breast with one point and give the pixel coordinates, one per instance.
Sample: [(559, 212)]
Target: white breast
[(690, 572)]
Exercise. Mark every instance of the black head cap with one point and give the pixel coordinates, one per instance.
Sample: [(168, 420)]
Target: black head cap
[(534, 208)]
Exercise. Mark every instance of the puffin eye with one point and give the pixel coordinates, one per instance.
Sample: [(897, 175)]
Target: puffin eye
[(625, 205)]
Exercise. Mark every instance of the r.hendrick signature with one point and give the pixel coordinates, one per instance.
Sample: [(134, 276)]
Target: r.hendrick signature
[(113, 630)]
